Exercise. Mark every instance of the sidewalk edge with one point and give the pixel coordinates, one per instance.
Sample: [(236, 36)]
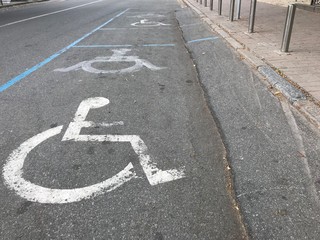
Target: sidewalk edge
[(296, 97)]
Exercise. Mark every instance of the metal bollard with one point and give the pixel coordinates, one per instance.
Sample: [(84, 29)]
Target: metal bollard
[(219, 7), (205, 3), (238, 8), (231, 12), (211, 5), (288, 28), (252, 15)]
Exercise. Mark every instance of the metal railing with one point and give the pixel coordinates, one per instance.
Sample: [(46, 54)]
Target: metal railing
[(313, 7), (232, 17), (252, 15)]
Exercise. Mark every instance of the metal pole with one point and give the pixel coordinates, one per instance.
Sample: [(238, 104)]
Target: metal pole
[(211, 5), (238, 8), (200, 1), (231, 12), (252, 15), (219, 7), (288, 28), (205, 3)]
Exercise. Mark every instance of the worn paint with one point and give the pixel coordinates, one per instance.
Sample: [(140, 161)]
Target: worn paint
[(117, 57), (148, 15), (13, 169), (26, 73), (147, 23)]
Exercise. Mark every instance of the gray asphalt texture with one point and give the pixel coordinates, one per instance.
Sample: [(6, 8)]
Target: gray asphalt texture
[(204, 107), (166, 108), (275, 165)]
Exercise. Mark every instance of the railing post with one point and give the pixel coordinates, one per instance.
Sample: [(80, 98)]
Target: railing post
[(231, 12), (205, 3), (252, 15), (211, 5), (238, 8), (200, 1), (288, 28), (219, 7)]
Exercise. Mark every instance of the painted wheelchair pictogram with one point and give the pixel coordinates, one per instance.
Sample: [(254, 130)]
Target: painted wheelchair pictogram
[(117, 57), (13, 169), (147, 23)]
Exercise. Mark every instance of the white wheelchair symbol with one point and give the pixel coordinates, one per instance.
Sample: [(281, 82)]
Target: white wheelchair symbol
[(117, 57), (147, 23), (148, 15), (13, 169)]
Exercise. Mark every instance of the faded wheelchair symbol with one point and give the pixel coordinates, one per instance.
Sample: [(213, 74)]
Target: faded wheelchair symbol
[(117, 57), (147, 23)]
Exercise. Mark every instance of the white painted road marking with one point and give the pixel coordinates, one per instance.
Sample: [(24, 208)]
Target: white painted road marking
[(13, 169), (118, 57), (47, 14), (133, 28), (29, 71), (127, 45), (148, 15), (147, 23)]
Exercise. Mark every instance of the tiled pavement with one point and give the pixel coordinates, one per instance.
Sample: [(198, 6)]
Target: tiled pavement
[(301, 65)]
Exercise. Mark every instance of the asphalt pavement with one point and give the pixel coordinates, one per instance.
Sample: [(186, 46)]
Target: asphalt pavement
[(105, 131), (134, 120), (272, 149)]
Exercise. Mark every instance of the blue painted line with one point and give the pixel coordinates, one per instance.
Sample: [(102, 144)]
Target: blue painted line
[(103, 46), (49, 59), (202, 39)]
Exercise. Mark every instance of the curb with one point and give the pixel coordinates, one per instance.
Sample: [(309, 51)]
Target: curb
[(294, 95), (291, 93)]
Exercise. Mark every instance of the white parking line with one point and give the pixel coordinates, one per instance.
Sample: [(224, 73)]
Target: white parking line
[(21, 76), (47, 14)]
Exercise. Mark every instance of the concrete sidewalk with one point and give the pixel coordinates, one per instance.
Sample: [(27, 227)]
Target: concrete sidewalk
[(300, 66)]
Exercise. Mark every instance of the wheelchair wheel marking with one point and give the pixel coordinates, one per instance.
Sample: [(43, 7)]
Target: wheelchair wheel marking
[(13, 176), (117, 57), (13, 169)]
